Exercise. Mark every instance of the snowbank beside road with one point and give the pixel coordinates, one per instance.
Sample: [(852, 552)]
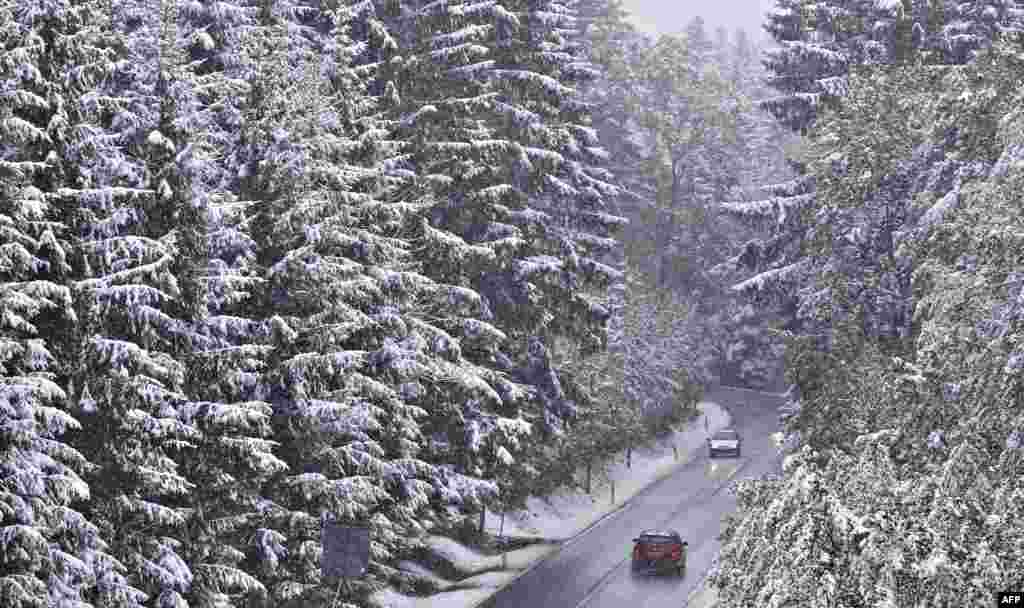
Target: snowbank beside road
[(559, 517)]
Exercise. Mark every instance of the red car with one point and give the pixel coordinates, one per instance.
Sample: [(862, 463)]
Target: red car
[(659, 551)]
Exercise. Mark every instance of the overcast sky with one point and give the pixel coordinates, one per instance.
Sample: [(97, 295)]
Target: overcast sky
[(668, 16)]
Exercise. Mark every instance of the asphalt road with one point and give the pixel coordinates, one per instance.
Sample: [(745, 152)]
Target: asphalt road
[(593, 570)]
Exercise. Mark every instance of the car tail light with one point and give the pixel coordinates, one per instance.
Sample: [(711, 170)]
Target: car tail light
[(677, 552)]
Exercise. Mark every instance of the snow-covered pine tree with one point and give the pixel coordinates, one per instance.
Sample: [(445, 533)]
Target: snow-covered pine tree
[(739, 59), (603, 34), (908, 462), (803, 518), (615, 49), (124, 387), (135, 221), (213, 31), (761, 141), (187, 154), (780, 260), (279, 198), (968, 27), (555, 288), (737, 332), (819, 44), (436, 103), (625, 104), (51, 553), (818, 41), (718, 175), (723, 48), (807, 70), (700, 46), (367, 348), (725, 153), (786, 276), (665, 365), (478, 226), (821, 40), (688, 116)]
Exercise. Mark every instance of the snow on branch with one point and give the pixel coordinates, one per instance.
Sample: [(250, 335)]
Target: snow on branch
[(550, 85), (219, 576), (607, 272), (454, 246), (480, 331), (469, 379), (540, 153), (813, 53), (467, 49), (794, 187), (473, 31), (520, 116), (766, 211), (541, 264), (414, 117), (836, 86), (130, 357), (303, 365), (494, 194), (472, 70), (773, 282)]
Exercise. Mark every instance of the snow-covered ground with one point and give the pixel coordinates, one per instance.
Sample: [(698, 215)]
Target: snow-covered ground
[(703, 597), (559, 517)]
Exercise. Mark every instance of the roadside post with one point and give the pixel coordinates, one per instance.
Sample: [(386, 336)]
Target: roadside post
[(501, 536)]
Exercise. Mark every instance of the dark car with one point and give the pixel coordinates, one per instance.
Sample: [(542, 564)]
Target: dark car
[(659, 551), (725, 440)]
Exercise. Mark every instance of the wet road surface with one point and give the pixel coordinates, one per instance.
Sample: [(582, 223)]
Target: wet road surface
[(593, 569)]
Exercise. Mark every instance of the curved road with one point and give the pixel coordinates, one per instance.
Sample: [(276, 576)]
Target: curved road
[(592, 570)]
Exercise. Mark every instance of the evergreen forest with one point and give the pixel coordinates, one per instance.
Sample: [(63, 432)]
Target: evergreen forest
[(269, 264)]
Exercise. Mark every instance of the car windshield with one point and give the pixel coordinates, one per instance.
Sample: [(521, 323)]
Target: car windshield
[(725, 435), (657, 539)]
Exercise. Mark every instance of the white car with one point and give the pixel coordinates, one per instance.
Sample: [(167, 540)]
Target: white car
[(725, 440)]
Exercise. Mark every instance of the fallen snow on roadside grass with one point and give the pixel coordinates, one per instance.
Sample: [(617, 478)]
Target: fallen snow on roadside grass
[(487, 579), (461, 598), (559, 517), (703, 597), (467, 561), (468, 591), (423, 572)]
